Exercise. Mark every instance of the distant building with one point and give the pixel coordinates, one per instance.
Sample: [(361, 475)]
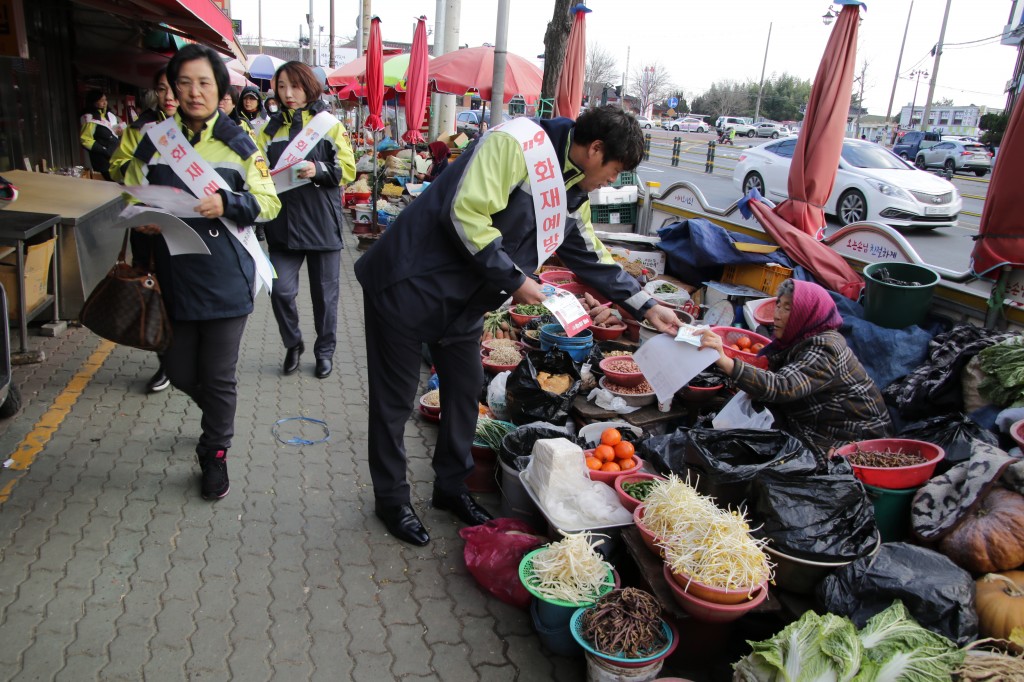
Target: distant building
[(954, 120), (871, 127)]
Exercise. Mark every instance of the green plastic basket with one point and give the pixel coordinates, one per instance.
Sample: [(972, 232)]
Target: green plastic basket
[(576, 625), (527, 577), (613, 214), (625, 179)]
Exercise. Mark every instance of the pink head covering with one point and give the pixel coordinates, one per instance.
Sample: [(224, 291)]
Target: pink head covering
[(813, 312)]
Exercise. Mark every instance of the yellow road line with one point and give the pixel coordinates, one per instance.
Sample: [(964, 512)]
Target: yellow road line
[(34, 441)]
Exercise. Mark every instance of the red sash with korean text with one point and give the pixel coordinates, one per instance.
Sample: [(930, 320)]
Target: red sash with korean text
[(203, 180), (546, 183), (300, 146)]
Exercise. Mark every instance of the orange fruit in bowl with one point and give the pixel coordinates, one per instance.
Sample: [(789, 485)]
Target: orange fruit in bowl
[(610, 436), (624, 450), (626, 464), (610, 466), (743, 342), (605, 453), (594, 463)]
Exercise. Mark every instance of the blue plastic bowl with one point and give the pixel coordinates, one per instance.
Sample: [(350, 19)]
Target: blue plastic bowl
[(576, 625)]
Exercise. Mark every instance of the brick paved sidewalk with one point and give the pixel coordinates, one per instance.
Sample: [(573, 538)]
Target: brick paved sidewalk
[(113, 568)]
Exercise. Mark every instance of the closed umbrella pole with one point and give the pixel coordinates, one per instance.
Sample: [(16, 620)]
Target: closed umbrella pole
[(416, 89), (569, 93), (500, 60)]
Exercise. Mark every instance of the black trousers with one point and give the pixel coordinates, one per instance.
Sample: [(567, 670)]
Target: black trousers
[(324, 274), (201, 361), (393, 361)]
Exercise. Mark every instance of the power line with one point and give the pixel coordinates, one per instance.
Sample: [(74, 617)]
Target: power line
[(979, 40)]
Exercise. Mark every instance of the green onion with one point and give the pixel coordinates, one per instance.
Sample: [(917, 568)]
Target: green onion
[(530, 309), (491, 432), (639, 490)]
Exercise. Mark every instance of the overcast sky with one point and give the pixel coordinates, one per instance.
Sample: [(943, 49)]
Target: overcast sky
[(700, 47)]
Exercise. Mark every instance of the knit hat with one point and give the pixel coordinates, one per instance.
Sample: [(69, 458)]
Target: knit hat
[(813, 312)]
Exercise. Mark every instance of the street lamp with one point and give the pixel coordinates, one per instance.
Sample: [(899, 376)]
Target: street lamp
[(828, 17)]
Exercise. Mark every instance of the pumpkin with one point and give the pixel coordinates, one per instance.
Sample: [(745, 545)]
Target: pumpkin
[(1000, 603), (989, 538)]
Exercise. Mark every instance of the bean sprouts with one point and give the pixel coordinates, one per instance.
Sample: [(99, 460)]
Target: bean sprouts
[(570, 570)]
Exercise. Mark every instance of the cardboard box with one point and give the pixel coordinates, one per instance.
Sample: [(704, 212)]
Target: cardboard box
[(459, 141), (613, 195), (652, 260), (37, 276)]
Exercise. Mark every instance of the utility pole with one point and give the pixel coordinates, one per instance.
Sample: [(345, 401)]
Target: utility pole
[(860, 97), (500, 59), (913, 104), (330, 60), (309, 20), (935, 68), (435, 98), (260, 4), (899, 61), (452, 28), (625, 81), (760, 90)]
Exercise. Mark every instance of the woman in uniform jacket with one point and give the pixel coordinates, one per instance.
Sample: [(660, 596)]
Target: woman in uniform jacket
[(99, 134), (229, 105), (308, 228), (208, 297), (250, 107)]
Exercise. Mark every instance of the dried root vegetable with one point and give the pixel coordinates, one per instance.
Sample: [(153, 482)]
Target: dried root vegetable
[(985, 662), (710, 545), (626, 623), (570, 570)]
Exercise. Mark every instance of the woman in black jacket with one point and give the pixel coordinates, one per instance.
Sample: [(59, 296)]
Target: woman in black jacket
[(99, 133), (309, 225)]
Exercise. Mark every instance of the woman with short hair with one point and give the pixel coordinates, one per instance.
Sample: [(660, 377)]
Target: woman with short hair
[(100, 131)]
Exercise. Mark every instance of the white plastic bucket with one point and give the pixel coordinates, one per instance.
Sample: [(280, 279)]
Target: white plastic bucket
[(515, 501), (364, 214), (600, 670)]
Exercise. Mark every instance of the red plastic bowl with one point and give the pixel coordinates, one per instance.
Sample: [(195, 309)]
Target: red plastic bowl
[(557, 277), (700, 394), (629, 502), (608, 477), (649, 538), (497, 369), (765, 313), (895, 478), (709, 593), (1017, 433), (627, 379), (729, 336), (707, 611), (606, 333), (520, 320)]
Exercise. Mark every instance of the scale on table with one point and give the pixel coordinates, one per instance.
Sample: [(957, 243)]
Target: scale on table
[(725, 303)]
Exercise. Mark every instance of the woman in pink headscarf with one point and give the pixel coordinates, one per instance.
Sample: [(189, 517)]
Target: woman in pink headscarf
[(439, 161), (815, 387)]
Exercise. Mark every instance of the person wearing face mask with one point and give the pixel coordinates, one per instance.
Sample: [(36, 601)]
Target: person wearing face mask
[(251, 108), (272, 105), (814, 386), (311, 155), (164, 105), (208, 297), (99, 133), (468, 242)]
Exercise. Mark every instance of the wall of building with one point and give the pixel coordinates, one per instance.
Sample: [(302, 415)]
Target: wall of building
[(955, 120)]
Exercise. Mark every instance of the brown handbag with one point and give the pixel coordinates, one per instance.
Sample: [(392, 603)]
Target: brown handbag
[(126, 307)]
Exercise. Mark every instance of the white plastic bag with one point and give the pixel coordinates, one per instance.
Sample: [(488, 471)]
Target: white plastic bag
[(496, 400), (679, 297), (613, 403), (739, 413)]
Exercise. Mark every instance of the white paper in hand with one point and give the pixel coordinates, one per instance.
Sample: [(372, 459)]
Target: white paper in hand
[(567, 310), (179, 237), (668, 365)]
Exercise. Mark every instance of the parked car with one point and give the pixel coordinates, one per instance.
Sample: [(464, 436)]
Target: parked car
[(872, 184), (686, 124), (742, 124), (955, 156), (772, 130), (468, 122), (645, 122), (912, 142)]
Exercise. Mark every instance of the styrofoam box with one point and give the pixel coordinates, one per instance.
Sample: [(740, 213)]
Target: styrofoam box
[(614, 195), (652, 260)]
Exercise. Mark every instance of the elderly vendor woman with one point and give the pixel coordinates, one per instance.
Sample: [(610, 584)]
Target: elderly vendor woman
[(815, 387)]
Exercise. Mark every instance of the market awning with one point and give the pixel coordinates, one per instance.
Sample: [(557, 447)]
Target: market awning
[(197, 20)]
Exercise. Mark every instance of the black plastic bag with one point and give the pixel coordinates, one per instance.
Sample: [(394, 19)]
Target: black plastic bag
[(937, 593), (956, 433), (825, 517), (528, 402), (722, 463), (517, 446)]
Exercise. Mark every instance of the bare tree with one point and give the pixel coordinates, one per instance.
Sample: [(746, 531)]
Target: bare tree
[(602, 69), (650, 83), (555, 40)]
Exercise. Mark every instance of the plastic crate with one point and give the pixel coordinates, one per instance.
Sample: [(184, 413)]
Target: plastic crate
[(625, 179), (613, 213), (764, 277)]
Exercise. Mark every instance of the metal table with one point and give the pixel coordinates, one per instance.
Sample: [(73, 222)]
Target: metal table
[(16, 228)]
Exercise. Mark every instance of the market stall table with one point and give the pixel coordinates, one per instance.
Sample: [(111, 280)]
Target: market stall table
[(86, 247), (16, 228)]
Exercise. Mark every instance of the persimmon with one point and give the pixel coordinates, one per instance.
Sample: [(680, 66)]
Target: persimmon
[(626, 464), (733, 346), (594, 463), (624, 450), (605, 453), (610, 436), (610, 466), (743, 342), (757, 348)]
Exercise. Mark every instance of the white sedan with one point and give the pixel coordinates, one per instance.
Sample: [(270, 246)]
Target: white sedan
[(686, 124), (872, 184)]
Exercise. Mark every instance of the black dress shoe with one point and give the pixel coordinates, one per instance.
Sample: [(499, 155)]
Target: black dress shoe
[(323, 368), (291, 358), (462, 505), (402, 522)]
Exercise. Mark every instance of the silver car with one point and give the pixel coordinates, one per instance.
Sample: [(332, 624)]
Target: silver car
[(772, 130), (954, 156)]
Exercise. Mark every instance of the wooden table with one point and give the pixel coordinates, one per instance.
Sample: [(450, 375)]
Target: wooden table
[(86, 247), (16, 228)]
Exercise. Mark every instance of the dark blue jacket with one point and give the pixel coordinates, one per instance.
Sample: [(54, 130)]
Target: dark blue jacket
[(221, 285)]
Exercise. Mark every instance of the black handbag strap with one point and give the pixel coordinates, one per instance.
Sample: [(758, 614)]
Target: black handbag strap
[(124, 247)]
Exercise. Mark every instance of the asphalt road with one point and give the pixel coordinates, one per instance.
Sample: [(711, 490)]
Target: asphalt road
[(947, 247)]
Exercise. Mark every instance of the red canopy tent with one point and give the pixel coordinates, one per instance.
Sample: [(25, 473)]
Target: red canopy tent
[(569, 95), (416, 84), (473, 69)]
